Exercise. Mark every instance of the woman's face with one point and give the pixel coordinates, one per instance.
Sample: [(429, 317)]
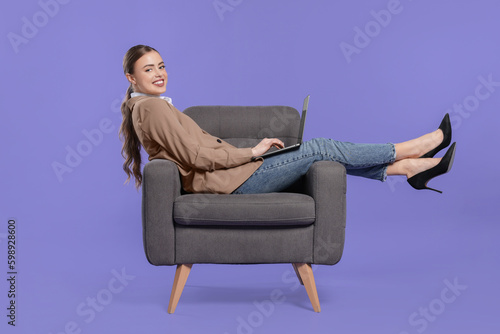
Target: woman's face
[(149, 75)]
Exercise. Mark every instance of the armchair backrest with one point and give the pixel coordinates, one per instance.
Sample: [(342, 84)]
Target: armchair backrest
[(245, 126)]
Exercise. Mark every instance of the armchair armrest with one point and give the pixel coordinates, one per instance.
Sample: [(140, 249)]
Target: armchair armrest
[(160, 187), (326, 183)]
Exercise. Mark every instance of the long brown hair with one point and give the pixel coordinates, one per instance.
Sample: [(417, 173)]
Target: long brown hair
[(131, 150)]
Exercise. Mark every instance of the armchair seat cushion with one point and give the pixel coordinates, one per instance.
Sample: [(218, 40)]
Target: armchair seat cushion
[(272, 209)]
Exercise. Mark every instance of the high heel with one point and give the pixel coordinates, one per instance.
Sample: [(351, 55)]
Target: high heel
[(419, 181), (445, 126)]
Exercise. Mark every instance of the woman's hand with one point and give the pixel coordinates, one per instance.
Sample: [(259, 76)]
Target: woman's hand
[(265, 145)]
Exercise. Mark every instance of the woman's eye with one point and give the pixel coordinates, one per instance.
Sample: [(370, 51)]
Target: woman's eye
[(148, 70), (162, 67)]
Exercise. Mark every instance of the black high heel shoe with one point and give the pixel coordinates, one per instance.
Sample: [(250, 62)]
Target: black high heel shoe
[(445, 126), (419, 181)]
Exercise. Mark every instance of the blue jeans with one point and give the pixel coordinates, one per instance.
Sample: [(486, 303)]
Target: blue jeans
[(280, 171)]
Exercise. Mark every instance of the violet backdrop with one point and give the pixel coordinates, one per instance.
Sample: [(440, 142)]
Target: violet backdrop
[(377, 71)]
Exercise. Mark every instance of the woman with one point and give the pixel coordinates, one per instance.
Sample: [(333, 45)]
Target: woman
[(207, 164)]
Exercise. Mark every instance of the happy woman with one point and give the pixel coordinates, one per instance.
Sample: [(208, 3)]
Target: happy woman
[(151, 121)]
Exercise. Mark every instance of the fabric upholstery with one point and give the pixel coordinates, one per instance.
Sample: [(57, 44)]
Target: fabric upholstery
[(215, 232), (244, 245), (245, 126), (161, 185), (325, 182), (274, 209)]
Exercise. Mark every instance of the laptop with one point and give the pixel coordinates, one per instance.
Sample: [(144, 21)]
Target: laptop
[(301, 133)]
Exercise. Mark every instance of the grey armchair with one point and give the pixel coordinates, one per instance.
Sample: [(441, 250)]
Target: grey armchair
[(303, 225)]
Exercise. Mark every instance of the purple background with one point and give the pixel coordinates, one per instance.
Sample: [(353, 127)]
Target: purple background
[(403, 247)]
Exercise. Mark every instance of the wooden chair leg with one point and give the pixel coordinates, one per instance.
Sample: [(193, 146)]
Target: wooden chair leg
[(306, 273), (297, 273), (181, 275)]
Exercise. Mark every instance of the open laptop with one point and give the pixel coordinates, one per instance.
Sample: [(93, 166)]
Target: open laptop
[(301, 133)]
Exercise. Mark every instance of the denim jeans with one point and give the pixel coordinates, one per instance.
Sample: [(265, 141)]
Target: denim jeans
[(280, 171)]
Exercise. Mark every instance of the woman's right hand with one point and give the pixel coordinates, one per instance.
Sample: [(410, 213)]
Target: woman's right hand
[(265, 145)]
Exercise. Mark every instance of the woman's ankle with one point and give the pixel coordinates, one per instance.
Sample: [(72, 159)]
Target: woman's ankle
[(417, 147), (416, 166)]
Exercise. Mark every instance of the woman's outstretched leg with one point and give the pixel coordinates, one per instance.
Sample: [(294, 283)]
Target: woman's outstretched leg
[(407, 155), (419, 146), (415, 156), (411, 166), (428, 145), (374, 161), (421, 170)]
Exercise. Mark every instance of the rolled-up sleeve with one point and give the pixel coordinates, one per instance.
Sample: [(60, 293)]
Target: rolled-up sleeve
[(159, 124)]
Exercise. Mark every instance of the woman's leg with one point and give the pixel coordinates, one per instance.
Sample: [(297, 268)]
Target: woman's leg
[(281, 171), (408, 153), (419, 146), (410, 167), (374, 161)]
